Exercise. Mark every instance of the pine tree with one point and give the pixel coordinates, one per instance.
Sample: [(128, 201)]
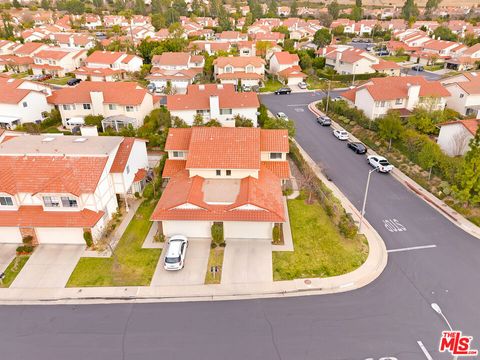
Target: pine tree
[(273, 8), (334, 9), (294, 8), (410, 10)]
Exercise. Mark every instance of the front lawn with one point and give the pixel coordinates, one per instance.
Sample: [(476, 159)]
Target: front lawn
[(130, 266), (215, 259), (314, 83), (59, 80), (395, 58), (19, 75), (13, 270), (271, 85), (320, 250), (433, 67)]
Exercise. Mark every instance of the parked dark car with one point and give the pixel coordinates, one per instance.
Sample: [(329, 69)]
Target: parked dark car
[(283, 91), (324, 120), (417, 68), (383, 53), (44, 77), (358, 147), (73, 82)]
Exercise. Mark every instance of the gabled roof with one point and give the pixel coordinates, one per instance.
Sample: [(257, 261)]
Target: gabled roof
[(471, 125), (171, 59), (9, 91), (178, 139), (104, 57), (122, 155), (239, 61), (285, 58)]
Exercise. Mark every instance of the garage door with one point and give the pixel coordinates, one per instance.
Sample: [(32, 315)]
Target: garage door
[(247, 230), (10, 235), (60, 235), (200, 229)]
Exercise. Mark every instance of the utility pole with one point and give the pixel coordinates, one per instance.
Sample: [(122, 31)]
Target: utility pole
[(365, 199), (328, 96)]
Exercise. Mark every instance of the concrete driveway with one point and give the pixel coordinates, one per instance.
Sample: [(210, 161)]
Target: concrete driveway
[(50, 266), (7, 254), (195, 268), (247, 261)]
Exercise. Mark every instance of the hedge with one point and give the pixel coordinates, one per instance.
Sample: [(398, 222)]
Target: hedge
[(347, 77)]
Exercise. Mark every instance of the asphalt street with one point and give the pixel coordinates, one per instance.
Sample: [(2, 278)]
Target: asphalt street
[(385, 319)]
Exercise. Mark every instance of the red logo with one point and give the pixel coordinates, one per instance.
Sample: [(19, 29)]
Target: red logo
[(457, 344)]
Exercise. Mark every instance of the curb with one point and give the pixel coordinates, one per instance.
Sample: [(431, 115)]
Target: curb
[(453, 216)]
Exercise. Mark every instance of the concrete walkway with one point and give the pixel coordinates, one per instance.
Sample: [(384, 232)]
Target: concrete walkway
[(7, 254), (452, 215), (50, 266), (287, 232)]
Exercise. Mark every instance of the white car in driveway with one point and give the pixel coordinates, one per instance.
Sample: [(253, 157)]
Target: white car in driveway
[(176, 251), (380, 163), (282, 116), (340, 134)]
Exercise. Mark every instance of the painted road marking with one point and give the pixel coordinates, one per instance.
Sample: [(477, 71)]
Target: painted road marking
[(293, 105), (393, 225), (412, 248), (299, 110), (424, 349)]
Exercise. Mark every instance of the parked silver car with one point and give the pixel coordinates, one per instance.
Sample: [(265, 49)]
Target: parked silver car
[(176, 251)]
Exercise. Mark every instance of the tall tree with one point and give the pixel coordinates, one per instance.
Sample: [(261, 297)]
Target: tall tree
[(294, 8), (410, 10), (357, 13), (273, 8), (467, 187), (430, 6), (322, 37), (45, 4), (444, 33), (334, 9), (429, 156), (139, 7), (390, 127)]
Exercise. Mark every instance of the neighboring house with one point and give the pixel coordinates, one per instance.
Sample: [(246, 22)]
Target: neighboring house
[(454, 137), (464, 93), (227, 176), (30, 49), (286, 67), (120, 103), (55, 188), (239, 70), (108, 66), (210, 47), (73, 40), (57, 62), (246, 48), (465, 60), (232, 36), (7, 47), (402, 93), (21, 102), (177, 69), (15, 63), (214, 101), (437, 51)]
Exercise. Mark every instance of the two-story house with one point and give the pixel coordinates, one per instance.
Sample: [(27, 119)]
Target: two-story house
[(177, 69), (228, 176), (120, 103), (286, 67), (464, 91), (22, 101), (401, 93), (108, 66), (239, 70), (232, 36), (214, 101), (57, 61), (455, 136), (55, 188)]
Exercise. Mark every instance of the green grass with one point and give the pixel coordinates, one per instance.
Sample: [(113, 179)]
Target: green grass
[(134, 266), (59, 80), (320, 250), (271, 85), (215, 259), (395, 58), (314, 83), (14, 269), (19, 75), (433, 67)]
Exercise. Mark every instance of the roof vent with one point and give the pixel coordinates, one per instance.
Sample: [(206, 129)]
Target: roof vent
[(80, 140), (201, 87), (48, 139)]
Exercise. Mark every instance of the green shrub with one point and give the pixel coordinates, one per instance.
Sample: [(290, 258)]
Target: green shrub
[(87, 236), (137, 195), (347, 227), (25, 249), (27, 240), (276, 234), (148, 192), (213, 245), (223, 244), (217, 233)]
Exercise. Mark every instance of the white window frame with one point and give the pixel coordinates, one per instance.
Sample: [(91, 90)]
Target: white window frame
[(129, 108), (5, 199), (177, 154), (275, 156), (87, 107), (226, 111)]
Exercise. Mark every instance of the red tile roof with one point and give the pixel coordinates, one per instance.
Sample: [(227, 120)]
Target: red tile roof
[(172, 167), (9, 92), (279, 168), (28, 48), (52, 54), (239, 61), (198, 98), (472, 125), (385, 65), (284, 57), (224, 148), (35, 216), (240, 75), (171, 59), (140, 175), (50, 174), (274, 140), (178, 139), (122, 155), (97, 71), (292, 72), (104, 57), (122, 93)]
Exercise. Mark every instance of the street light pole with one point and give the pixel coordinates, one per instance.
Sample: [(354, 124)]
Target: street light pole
[(365, 199), (353, 80), (438, 310), (328, 96)]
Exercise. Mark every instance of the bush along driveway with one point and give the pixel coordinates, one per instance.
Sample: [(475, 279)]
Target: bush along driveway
[(130, 265)]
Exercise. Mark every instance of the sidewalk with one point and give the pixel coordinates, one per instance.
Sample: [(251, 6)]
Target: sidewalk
[(452, 215)]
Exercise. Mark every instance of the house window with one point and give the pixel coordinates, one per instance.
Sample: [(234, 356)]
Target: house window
[(51, 201), (249, 69), (274, 156), (178, 154), (6, 201), (69, 202), (382, 103), (399, 101), (228, 69), (129, 108), (128, 169), (24, 104), (67, 107), (225, 111), (229, 172), (462, 95), (87, 106), (218, 172), (112, 107)]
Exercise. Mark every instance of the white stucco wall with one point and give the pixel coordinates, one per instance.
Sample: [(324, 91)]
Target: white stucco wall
[(10, 235), (247, 230), (453, 139), (200, 229), (60, 235)]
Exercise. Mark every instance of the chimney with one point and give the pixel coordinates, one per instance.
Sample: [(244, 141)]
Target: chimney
[(97, 102), (208, 47), (89, 131), (214, 107), (413, 95), (71, 42), (201, 87)]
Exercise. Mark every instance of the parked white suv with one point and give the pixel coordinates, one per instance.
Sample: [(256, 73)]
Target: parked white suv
[(176, 251), (380, 163)]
